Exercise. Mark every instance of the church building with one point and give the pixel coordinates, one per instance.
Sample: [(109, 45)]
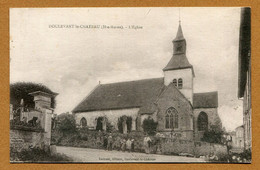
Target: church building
[(170, 101)]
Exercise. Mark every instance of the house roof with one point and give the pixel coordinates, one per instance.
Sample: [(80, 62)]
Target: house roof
[(205, 100), (242, 126), (140, 94)]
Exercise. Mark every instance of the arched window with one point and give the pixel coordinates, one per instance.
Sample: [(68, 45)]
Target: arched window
[(203, 121), (83, 122), (171, 118), (180, 83), (174, 82)]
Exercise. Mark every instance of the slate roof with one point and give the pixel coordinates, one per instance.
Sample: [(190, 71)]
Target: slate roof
[(140, 94), (136, 94), (205, 100), (179, 35), (178, 61)]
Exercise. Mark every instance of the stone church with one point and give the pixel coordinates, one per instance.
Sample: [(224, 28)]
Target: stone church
[(169, 101)]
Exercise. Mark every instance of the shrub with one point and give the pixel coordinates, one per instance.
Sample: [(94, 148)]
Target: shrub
[(37, 155), (66, 124), (214, 135), (149, 126)]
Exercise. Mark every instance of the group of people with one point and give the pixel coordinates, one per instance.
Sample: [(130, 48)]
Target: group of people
[(123, 144)]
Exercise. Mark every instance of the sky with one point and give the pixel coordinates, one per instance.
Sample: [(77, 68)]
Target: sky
[(72, 60)]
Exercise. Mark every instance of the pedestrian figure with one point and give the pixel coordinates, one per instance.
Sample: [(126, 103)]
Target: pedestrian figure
[(105, 142), (109, 142), (132, 145), (123, 144), (117, 143), (147, 143), (128, 145)]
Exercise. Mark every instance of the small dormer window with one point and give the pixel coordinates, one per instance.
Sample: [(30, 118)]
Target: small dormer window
[(174, 82), (180, 83)]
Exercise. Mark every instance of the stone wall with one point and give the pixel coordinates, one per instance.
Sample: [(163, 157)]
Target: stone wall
[(22, 139), (160, 145), (205, 148), (197, 149), (176, 147)]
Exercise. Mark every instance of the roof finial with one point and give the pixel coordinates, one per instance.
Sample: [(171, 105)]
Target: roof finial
[(179, 17)]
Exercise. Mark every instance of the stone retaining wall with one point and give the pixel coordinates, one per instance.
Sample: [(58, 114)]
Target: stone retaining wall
[(24, 139), (159, 145)]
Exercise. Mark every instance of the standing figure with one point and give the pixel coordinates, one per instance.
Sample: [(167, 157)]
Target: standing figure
[(133, 145), (105, 142), (128, 145), (117, 143), (109, 142), (123, 144), (147, 143)]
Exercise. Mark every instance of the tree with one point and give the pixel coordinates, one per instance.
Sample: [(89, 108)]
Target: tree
[(214, 135), (149, 126), (21, 90), (66, 123)]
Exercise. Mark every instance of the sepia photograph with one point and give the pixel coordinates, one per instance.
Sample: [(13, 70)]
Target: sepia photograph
[(130, 85)]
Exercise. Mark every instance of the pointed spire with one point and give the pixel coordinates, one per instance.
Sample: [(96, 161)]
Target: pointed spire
[(179, 35)]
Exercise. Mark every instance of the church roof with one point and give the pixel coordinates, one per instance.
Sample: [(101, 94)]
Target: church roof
[(140, 94), (205, 100), (136, 94), (178, 61)]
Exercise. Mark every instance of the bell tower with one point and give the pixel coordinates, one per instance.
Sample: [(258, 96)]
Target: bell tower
[(178, 70)]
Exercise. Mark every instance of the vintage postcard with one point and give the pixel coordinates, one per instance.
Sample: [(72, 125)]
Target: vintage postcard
[(130, 85)]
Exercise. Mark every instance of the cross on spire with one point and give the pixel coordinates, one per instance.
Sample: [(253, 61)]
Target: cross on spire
[(179, 16)]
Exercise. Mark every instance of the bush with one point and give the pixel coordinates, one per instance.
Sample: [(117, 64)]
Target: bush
[(37, 155), (214, 135), (150, 126), (66, 123)]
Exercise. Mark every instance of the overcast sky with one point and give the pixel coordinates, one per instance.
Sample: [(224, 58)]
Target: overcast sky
[(71, 61)]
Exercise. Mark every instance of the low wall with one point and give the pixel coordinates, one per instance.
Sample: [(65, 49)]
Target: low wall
[(25, 139), (159, 145), (175, 146), (205, 148), (195, 148)]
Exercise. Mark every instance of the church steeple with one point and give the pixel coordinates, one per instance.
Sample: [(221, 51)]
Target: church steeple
[(179, 35), (179, 43), (179, 59), (179, 71)]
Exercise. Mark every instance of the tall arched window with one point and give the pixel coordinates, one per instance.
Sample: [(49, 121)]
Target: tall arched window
[(180, 83), (203, 121), (171, 118), (83, 122), (174, 82)]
